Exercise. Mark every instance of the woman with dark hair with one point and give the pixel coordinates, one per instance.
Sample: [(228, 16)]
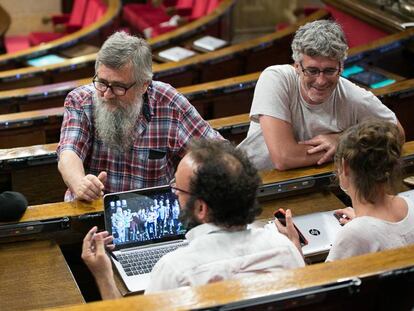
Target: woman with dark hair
[(367, 162)]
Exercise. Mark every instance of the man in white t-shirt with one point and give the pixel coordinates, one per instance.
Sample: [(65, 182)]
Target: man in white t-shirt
[(299, 111), (216, 187)]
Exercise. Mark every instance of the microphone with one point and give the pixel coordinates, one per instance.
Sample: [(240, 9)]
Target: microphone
[(12, 205)]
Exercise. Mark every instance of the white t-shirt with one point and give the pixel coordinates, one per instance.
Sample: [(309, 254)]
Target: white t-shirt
[(367, 234), (277, 94), (214, 254)]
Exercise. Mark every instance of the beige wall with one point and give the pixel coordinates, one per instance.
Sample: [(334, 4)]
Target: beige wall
[(26, 15), (260, 16)]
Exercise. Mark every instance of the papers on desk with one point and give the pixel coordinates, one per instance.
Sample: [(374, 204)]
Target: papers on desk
[(176, 54), (209, 43), (49, 59)]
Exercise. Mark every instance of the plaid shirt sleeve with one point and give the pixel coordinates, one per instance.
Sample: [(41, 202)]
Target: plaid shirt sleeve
[(191, 124), (76, 127)]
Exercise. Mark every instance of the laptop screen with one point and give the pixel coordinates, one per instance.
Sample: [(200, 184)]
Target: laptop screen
[(143, 216)]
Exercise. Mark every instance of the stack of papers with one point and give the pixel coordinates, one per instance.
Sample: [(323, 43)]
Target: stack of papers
[(49, 59), (209, 43), (176, 54)]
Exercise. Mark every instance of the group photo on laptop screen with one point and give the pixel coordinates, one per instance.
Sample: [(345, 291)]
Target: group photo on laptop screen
[(140, 216)]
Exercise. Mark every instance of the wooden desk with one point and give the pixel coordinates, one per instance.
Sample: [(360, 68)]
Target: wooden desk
[(22, 168), (274, 176), (300, 204), (35, 275), (226, 292)]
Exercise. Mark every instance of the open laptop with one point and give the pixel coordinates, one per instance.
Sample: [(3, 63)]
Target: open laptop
[(320, 230), (145, 226)]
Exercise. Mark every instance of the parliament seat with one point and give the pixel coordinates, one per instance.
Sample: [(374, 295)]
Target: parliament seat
[(85, 14)]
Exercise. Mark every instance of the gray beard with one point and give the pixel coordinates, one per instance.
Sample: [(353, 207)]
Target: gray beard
[(116, 128)]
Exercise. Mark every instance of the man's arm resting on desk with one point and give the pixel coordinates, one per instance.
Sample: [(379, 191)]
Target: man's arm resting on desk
[(325, 143), (87, 187), (284, 151)]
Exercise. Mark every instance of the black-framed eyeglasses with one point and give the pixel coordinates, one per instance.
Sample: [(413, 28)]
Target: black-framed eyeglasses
[(118, 90), (315, 72), (175, 190)]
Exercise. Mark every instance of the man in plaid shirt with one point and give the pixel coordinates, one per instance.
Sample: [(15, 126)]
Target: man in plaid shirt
[(124, 131)]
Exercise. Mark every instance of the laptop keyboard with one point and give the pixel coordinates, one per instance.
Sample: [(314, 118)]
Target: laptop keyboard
[(142, 261)]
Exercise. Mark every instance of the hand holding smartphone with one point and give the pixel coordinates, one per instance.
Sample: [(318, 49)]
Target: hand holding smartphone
[(280, 215)]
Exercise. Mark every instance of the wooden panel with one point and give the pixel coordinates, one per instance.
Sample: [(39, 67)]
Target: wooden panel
[(39, 182), (35, 276), (22, 137)]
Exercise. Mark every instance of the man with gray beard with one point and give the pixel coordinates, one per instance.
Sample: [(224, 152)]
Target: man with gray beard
[(124, 131)]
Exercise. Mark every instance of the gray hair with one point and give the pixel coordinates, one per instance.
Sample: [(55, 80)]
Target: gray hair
[(121, 49), (320, 38)]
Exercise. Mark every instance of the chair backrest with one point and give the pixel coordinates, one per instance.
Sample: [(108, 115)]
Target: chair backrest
[(212, 4), (78, 12), (94, 10), (199, 9), (168, 3), (184, 7)]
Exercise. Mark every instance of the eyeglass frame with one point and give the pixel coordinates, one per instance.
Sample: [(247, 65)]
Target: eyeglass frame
[(110, 86), (172, 184), (325, 71)]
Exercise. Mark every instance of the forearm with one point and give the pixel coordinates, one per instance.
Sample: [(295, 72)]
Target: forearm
[(293, 156), (107, 288), (71, 168)]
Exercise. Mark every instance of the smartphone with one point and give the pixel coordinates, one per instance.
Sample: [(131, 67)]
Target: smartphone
[(280, 215), (339, 217)]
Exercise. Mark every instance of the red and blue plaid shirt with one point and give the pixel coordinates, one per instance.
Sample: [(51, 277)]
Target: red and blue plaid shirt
[(164, 127)]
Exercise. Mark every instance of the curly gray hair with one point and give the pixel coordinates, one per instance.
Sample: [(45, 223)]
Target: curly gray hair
[(120, 49), (320, 38)]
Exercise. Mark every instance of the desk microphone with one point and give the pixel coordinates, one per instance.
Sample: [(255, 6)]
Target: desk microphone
[(12, 205)]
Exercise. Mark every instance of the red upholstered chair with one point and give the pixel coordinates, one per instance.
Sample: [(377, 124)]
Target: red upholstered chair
[(198, 8), (212, 4), (357, 31), (143, 16), (184, 7), (73, 21), (16, 43), (93, 11)]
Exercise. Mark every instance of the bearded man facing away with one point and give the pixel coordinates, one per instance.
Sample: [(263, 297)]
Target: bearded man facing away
[(124, 131)]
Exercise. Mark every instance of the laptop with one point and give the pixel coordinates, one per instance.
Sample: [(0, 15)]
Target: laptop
[(145, 226), (320, 230)]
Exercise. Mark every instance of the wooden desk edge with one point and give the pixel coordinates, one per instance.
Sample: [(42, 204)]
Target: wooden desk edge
[(263, 285)]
